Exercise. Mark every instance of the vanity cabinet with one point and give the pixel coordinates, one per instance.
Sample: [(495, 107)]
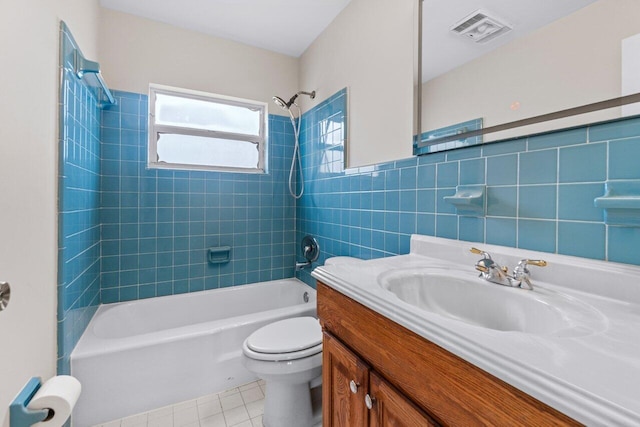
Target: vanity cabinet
[(354, 395), (412, 381)]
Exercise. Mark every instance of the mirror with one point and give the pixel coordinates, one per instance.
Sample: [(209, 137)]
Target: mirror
[(492, 62), (369, 48)]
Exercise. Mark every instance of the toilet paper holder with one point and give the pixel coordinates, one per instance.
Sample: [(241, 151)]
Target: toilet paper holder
[(19, 414)]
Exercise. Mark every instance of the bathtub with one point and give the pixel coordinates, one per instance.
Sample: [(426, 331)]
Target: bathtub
[(140, 355)]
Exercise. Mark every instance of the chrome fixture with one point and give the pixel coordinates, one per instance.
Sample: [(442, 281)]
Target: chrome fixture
[(5, 295), (494, 273), (295, 122), (310, 252), (287, 105)]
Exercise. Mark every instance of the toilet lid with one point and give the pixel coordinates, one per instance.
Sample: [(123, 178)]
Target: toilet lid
[(285, 336)]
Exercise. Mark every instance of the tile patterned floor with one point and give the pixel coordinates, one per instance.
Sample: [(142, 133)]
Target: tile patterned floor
[(239, 407)]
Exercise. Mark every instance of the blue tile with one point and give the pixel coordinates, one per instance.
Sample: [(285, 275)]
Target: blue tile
[(392, 200), (408, 201), (537, 201), (464, 153), (431, 158), (447, 226), (623, 244), (406, 163), (615, 130), (537, 235), (408, 178), (502, 170), (426, 224), (538, 167), (623, 159), (377, 220), (501, 231), (392, 221), (576, 202), (426, 201), (558, 139), (447, 174), (408, 223), (471, 229), (581, 239), (392, 180), (585, 163), (426, 176), (504, 147), (502, 201), (472, 171), (392, 243), (108, 296)]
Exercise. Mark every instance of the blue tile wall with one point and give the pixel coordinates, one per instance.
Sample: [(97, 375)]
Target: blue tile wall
[(78, 209), (158, 224), (540, 193)]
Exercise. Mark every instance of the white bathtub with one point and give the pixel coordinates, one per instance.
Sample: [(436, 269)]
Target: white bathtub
[(140, 355)]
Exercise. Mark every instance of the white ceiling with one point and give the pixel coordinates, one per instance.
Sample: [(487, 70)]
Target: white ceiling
[(284, 26), (444, 50)]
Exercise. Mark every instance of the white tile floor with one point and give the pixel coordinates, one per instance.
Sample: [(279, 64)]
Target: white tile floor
[(239, 407)]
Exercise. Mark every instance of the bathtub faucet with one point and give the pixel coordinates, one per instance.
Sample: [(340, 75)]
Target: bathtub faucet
[(302, 265), (310, 252)]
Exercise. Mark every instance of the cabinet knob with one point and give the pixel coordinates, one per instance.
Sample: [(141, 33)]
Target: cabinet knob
[(369, 401), (354, 386)]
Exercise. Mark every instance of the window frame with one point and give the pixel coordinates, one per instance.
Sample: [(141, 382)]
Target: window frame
[(156, 129)]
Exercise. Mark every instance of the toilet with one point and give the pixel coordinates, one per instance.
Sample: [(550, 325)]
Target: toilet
[(287, 355), (341, 260)]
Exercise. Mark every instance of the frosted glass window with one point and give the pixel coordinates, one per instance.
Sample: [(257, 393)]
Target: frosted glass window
[(198, 150), (199, 114), (197, 130)]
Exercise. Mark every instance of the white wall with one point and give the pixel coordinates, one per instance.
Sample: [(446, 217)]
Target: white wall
[(368, 48), (28, 181), (571, 62), (137, 51)]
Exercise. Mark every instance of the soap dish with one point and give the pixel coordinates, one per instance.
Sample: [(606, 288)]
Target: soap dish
[(469, 200), (621, 203)]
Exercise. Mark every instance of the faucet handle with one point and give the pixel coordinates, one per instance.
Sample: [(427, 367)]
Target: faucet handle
[(480, 252), (521, 272), (536, 262)]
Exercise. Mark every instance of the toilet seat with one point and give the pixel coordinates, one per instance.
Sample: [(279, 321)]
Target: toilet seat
[(287, 339)]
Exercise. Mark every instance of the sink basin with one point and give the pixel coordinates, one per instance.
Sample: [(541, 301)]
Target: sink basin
[(463, 297)]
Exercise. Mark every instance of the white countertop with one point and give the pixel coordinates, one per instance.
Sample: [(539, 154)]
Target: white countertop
[(594, 378)]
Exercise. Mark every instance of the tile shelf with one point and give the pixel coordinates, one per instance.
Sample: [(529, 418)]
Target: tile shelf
[(621, 203)]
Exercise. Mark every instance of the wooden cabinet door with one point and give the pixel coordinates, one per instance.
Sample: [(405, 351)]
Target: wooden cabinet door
[(341, 407), (391, 409)]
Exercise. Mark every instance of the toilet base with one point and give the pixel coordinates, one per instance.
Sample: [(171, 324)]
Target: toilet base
[(292, 405)]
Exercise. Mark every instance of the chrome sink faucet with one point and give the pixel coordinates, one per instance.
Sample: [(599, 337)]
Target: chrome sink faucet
[(494, 273)]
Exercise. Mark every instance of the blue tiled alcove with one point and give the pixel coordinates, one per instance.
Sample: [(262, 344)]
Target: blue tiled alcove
[(157, 224)]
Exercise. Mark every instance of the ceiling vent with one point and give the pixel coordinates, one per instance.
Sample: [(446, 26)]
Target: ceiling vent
[(480, 27)]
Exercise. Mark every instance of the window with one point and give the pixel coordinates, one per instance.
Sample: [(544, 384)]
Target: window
[(204, 131)]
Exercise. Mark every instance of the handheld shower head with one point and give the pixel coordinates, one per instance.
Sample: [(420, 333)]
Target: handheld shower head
[(286, 105), (280, 102)]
